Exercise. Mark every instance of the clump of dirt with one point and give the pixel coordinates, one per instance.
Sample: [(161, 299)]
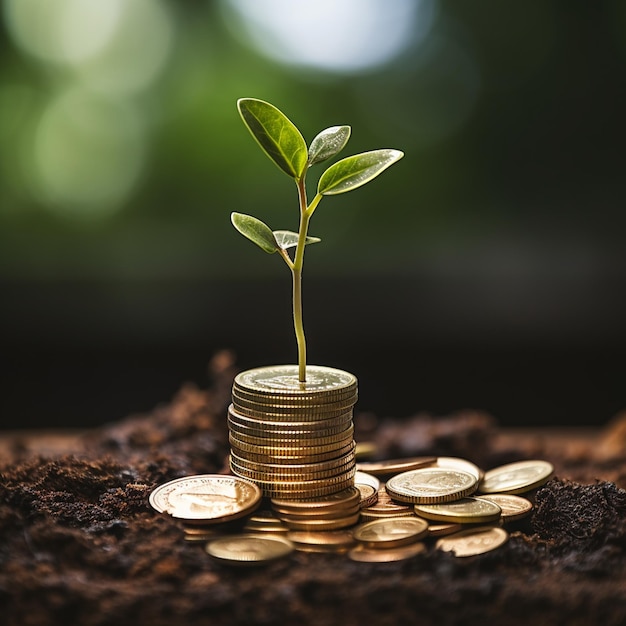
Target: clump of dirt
[(79, 543)]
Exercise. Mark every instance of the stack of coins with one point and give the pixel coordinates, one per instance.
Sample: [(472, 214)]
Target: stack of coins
[(339, 510), (293, 439)]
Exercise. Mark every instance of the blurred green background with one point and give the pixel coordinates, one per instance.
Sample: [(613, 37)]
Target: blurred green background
[(485, 270)]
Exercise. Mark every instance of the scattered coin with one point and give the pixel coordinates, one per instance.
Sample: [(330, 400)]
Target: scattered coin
[(369, 496), (369, 486), (249, 548), (376, 555), (322, 541), (441, 530), (391, 533), (203, 534), (473, 541), (394, 466), (363, 478), (464, 511), (431, 485), (451, 462), (323, 524), (515, 478), (264, 518), (255, 527), (385, 507), (513, 507), (206, 498)]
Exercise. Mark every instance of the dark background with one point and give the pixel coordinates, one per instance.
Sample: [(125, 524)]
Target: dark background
[(485, 270)]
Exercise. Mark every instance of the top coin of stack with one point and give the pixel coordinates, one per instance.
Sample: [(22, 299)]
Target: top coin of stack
[(293, 439)]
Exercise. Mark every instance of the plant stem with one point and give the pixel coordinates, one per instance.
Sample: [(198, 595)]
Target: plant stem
[(296, 271)]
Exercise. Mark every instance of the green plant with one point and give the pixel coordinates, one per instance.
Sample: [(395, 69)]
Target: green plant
[(284, 145)]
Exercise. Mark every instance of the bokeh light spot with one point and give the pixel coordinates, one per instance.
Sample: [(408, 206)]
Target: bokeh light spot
[(113, 46), (62, 31), (88, 154), (135, 54), (340, 37)]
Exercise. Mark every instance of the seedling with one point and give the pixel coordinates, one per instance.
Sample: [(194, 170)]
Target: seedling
[(283, 143)]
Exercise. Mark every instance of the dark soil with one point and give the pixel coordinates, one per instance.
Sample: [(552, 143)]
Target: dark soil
[(79, 543)]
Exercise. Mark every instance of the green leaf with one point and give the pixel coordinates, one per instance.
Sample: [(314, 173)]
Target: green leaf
[(287, 239), (328, 143), (354, 171), (276, 134), (256, 231)]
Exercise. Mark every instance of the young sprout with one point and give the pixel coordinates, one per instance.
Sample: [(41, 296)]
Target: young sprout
[(283, 143)]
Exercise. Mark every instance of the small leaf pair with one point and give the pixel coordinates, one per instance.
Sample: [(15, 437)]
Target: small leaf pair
[(262, 235)]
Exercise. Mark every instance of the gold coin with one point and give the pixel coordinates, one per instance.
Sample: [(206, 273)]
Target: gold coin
[(367, 516), (431, 485), (513, 507), (276, 412), (322, 541), (464, 511), (517, 477), (290, 441), (314, 514), (451, 462), (300, 457), (323, 524), (323, 428), (207, 498), (289, 421), (388, 507), (300, 448), (369, 496), (264, 523), (335, 501), (204, 531), (285, 468), (249, 548), (362, 478), (395, 466), (284, 380), (302, 493), (290, 433), (441, 530), (274, 475), (377, 555), (264, 516), (473, 541), (310, 401), (391, 533)]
